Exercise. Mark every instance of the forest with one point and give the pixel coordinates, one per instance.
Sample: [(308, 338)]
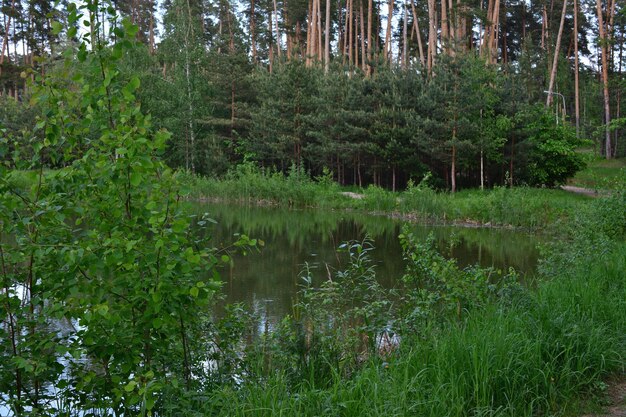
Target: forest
[(162, 164), (478, 93)]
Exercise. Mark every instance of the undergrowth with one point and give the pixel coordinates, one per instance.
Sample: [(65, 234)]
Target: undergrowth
[(525, 207)]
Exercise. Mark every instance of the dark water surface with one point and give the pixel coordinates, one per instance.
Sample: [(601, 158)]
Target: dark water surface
[(268, 280)]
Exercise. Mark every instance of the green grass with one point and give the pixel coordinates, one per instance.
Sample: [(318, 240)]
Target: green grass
[(601, 174), (519, 207)]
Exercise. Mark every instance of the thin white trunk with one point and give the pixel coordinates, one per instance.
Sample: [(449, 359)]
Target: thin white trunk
[(555, 60)]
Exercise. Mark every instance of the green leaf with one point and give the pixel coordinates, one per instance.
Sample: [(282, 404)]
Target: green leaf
[(135, 179), (57, 27), (194, 291), (130, 386)]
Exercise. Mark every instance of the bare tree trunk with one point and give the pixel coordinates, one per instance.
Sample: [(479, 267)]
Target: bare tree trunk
[(432, 36), (363, 53), (605, 80), (318, 31), (387, 50), (278, 42), (419, 35), (405, 57), (557, 51), (445, 34), (190, 117), (453, 166), (544, 28), (576, 71), (309, 37), (482, 170), (346, 29), (495, 28), (356, 35), (5, 41), (327, 39), (350, 28), (252, 31), (370, 7)]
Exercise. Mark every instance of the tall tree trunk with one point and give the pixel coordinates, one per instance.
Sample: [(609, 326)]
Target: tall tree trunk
[(370, 7), (346, 29), (576, 70), (482, 169), (309, 35), (605, 79), (327, 38), (453, 168), (445, 34), (494, 33), (278, 42), (405, 49), (557, 51), (252, 31), (418, 34), (320, 44), (5, 41), (190, 116), (356, 35), (350, 28), (363, 52), (387, 50), (432, 36)]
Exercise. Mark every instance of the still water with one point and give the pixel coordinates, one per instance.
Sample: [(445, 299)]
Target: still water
[(268, 280)]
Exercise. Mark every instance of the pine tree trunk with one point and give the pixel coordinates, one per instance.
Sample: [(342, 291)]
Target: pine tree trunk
[(576, 70), (557, 51), (445, 34), (605, 79), (5, 41), (252, 31), (370, 7), (327, 39), (418, 34), (387, 50), (363, 53), (190, 117), (405, 57), (432, 36), (350, 28), (278, 43), (320, 48)]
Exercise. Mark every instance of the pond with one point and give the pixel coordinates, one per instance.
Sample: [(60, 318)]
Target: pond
[(267, 281)]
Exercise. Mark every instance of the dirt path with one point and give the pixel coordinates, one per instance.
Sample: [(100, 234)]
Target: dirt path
[(617, 401), (584, 191)]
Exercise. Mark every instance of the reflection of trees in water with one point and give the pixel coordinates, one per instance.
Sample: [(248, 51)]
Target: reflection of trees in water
[(295, 237)]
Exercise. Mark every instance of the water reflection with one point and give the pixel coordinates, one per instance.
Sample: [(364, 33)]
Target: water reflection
[(268, 281)]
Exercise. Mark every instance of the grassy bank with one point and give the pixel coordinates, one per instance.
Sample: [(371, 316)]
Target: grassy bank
[(601, 174), (519, 207), (523, 207)]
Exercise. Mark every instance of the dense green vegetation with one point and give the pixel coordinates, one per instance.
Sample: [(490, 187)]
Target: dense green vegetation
[(479, 99), (530, 208), (107, 287)]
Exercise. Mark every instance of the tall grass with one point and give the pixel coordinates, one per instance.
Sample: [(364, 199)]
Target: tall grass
[(539, 356), (520, 207)]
